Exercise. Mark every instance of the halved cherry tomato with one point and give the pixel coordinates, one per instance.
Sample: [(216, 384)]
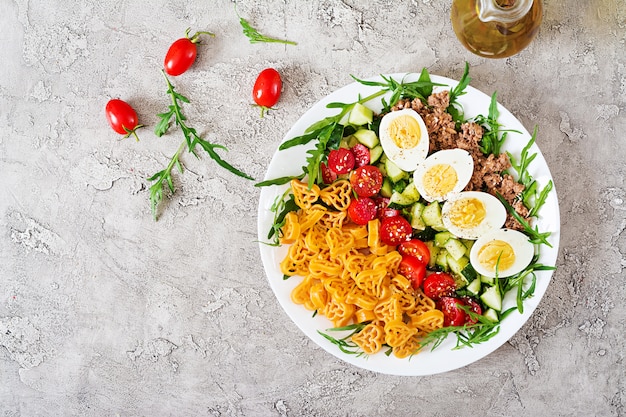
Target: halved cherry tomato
[(395, 230), (438, 285), (452, 314), (474, 308), (413, 269), (362, 210), (417, 248), (383, 208), (366, 181), (328, 176), (122, 117), (341, 161), (267, 87), (361, 154), (182, 53)]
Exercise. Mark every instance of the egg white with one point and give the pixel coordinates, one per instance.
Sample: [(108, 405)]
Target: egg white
[(459, 159), (495, 215), (524, 251), (406, 159)]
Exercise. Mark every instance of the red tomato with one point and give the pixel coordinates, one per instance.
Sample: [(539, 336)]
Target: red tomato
[(328, 176), (182, 53), (474, 308), (452, 314), (413, 269), (267, 87), (361, 154), (366, 181), (439, 284), (416, 248), (383, 208), (341, 161), (362, 210), (395, 230), (122, 117)]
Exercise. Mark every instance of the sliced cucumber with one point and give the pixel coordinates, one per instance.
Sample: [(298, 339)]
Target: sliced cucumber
[(366, 137), (487, 280), (492, 298), (407, 197), (387, 188), (434, 252), (360, 115), (442, 259), (432, 216), (474, 287), (442, 238), (456, 249), (457, 265), (492, 315), (416, 216), (375, 154), (394, 173), (470, 273)]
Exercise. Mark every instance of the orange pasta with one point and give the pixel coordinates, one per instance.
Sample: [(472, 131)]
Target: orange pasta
[(350, 276)]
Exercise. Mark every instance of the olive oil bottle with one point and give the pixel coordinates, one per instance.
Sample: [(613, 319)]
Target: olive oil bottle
[(496, 28)]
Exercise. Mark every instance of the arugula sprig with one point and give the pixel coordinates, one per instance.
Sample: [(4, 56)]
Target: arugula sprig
[(255, 37), (192, 139), (345, 344), (535, 235), (283, 204)]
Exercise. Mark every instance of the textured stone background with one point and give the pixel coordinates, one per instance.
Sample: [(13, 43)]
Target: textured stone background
[(104, 312)]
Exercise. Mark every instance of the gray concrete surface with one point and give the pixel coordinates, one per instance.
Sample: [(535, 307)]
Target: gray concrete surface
[(104, 312)]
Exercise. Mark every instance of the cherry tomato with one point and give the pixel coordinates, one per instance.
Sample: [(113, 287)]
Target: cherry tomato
[(438, 285), (366, 181), (413, 269), (122, 117), (362, 210), (452, 314), (383, 208), (267, 87), (474, 308), (182, 53), (361, 154), (395, 230), (341, 161), (416, 248), (328, 176)]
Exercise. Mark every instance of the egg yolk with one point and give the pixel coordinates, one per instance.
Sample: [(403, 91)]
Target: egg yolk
[(440, 179), (405, 132), (467, 213), (496, 253)]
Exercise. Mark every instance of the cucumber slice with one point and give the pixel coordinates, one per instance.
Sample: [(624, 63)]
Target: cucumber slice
[(487, 280), (455, 248), (492, 315), (416, 216), (469, 272), (442, 259), (457, 265), (375, 154), (474, 287), (394, 173), (360, 115), (366, 137), (492, 298), (432, 216), (442, 238), (387, 188), (434, 252), (407, 197)]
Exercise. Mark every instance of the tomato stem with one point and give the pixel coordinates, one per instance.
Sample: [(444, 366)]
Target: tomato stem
[(132, 132), (196, 37)]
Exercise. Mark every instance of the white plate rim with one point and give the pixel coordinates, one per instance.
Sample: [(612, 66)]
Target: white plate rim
[(427, 362)]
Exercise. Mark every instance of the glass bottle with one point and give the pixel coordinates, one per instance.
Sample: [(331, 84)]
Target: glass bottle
[(496, 28)]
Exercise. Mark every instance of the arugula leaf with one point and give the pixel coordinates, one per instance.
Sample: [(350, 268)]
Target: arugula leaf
[(255, 37)]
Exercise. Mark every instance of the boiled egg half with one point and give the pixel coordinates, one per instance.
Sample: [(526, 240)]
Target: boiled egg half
[(471, 214), (443, 173), (502, 253), (404, 138)]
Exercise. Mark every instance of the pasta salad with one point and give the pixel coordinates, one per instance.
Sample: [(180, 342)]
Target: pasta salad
[(409, 225)]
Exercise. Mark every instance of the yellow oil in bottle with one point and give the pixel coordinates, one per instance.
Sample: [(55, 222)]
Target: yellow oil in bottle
[(497, 38)]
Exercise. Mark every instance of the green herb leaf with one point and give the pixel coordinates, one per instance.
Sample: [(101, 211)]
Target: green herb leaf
[(255, 37)]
